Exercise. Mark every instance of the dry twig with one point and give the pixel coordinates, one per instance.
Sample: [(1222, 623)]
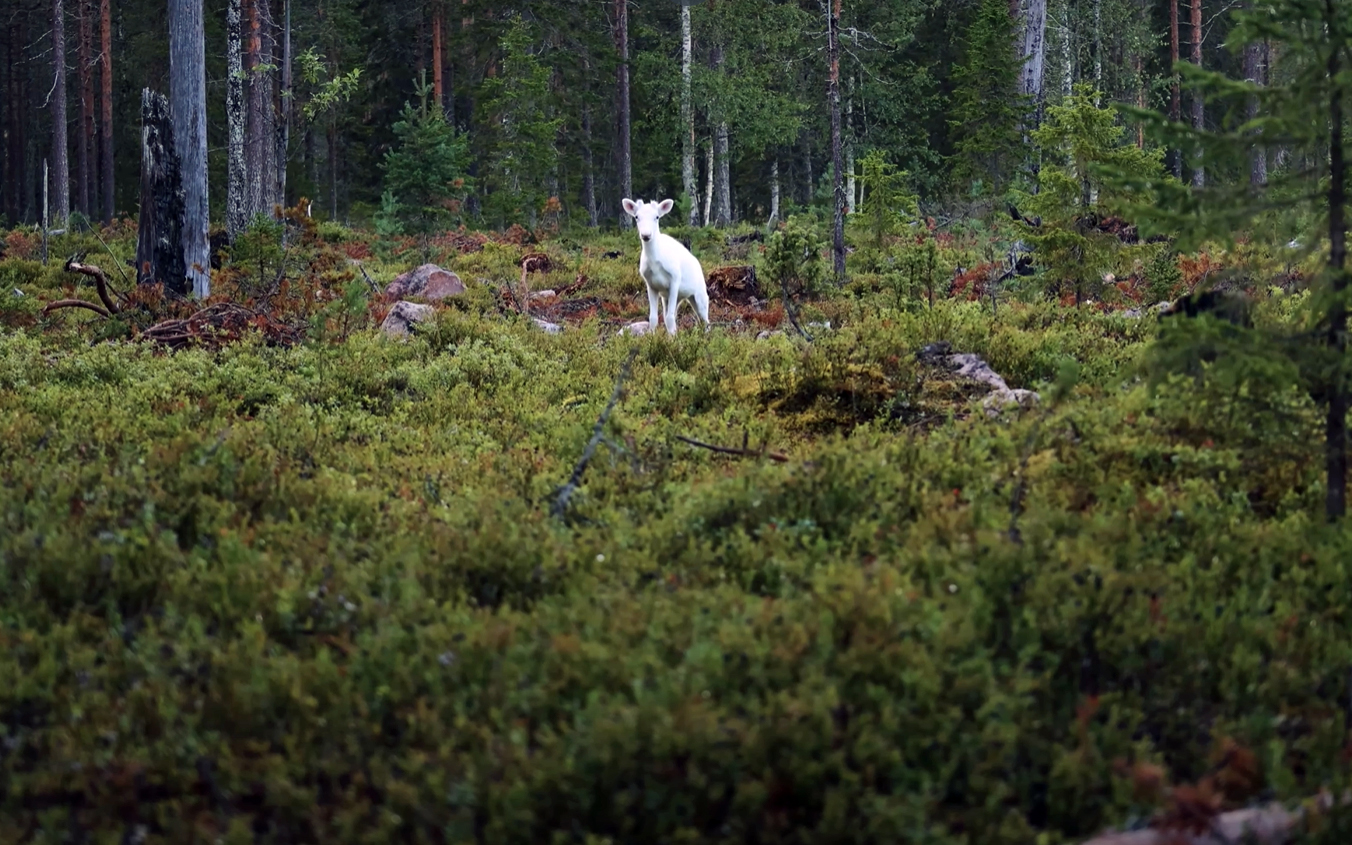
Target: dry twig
[(741, 453), (559, 507)]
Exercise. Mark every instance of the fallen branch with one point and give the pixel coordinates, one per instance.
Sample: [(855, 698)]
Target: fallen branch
[(100, 281), (560, 505), (74, 303), (370, 281), (741, 453)]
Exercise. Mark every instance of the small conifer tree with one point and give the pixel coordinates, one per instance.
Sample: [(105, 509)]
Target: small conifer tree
[(425, 181)]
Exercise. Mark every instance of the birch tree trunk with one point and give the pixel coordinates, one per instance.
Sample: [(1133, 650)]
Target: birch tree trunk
[(60, 181), (1033, 52), (688, 120), (85, 59), (1098, 50), (849, 150), (1198, 107), (774, 192), (106, 123), (837, 154), (188, 106), (709, 183), (626, 161), (236, 197)]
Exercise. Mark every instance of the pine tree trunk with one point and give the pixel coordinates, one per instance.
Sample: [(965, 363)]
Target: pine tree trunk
[(1335, 437), (60, 179), (284, 106), (236, 198), (159, 236), (1033, 51), (17, 145), (626, 162), (188, 106), (688, 120), (438, 91), (774, 191), (588, 171), (87, 135), (1253, 73), (106, 124), (1175, 96), (333, 170), (837, 154), (1198, 107), (723, 206)]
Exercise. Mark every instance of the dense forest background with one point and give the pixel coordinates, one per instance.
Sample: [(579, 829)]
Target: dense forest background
[(583, 100)]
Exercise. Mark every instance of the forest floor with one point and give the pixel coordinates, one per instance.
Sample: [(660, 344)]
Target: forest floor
[(277, 576)]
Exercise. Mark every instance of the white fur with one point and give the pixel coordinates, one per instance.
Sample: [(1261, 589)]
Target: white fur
[(669, 270)]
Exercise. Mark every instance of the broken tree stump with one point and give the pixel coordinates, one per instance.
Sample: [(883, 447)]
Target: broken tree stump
[(159, 243)]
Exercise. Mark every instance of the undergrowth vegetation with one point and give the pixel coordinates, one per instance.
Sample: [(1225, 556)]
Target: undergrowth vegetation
[(313, 592)]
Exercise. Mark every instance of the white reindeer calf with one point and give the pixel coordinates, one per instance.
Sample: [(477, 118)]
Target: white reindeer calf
[(669, 270)]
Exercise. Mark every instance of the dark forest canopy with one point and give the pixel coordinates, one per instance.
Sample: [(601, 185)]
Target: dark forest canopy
[(533, 89)]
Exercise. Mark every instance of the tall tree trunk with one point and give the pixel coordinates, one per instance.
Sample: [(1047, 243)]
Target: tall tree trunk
[(85, 58), (688, 120), (159, 231), (1033, 52), (188, 105), (1098, 50), (849, 149), (837, 154), (774, 191), (60, 180), (588, 170), (333, 170), (106, 123), (1175, 96), (438, 90), (1198, 107), (17, 164), (1140, 100), (236, 197), (723, 204), (1335, 436), (284, 106), (809, 182), (260, 140), (709, 183), (1253, 73), (1068, 56), (626, 162)]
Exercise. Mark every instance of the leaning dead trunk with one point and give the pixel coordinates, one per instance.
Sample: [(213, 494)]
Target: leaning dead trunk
[(159, 251)]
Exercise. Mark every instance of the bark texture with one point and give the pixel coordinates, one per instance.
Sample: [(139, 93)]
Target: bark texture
[(86, 136), (1033, 51), (159, 250), (837, 154), (1175, 97), (60, 178), (1198, 106), (188, 107), (236, 199), (626, 162), (106, 121), (1254, 72), (688, 119)]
